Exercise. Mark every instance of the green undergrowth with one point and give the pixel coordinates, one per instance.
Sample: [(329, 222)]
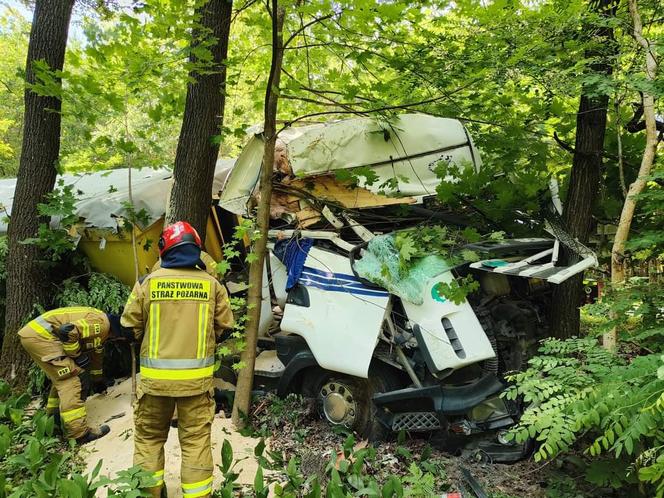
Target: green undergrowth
[(36, 463), (346, 473), (601, 410)]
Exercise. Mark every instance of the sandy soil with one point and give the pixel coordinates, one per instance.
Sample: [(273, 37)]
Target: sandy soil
[(117, 448)]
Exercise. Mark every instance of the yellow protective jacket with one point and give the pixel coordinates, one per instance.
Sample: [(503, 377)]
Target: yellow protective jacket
[(91, 329), (177, 314), (210, 264)]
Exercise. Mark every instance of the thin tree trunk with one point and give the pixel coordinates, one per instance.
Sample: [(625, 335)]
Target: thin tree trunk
[(621, 165), (627, 214), (585, 174), (255, 295), (27, 282), (130, 195), (198, 146)]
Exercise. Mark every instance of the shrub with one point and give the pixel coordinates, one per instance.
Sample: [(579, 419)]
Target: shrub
[(610, 406), (100, 290), (36, 463)]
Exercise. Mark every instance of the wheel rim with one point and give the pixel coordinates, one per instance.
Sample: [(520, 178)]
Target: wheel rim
[(338, 403)]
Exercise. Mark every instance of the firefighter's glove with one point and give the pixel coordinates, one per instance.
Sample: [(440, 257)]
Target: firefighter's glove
[(64, 331), (82, 360), (225, 335), (99, 387), (118, 332)]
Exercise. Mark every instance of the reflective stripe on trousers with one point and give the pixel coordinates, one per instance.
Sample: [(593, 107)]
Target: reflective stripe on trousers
[(159, 476), (72, 414), (200, 488)]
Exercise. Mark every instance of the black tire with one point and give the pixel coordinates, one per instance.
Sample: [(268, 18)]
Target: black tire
[(364, 421)]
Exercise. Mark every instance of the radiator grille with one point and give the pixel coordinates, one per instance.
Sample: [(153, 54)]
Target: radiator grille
[(415, 422)]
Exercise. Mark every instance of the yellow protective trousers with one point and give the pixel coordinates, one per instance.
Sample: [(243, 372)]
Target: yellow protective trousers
[(65, 393), (152, 423)]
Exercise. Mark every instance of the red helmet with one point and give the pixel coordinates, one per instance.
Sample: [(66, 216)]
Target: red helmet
[(177, 234)]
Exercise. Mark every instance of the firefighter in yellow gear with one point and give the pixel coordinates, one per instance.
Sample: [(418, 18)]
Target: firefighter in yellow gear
[(211, 268), (64, 343), (177, 313)]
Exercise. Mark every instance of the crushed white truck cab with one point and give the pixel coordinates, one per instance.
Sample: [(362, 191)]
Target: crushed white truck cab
[(377, 359)]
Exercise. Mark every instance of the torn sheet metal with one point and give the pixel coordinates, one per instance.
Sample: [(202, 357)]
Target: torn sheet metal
[(343, 193), (402, 154), (542, 265), (299, 201)]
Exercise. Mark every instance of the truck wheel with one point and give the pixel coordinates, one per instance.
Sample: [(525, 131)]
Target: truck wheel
[(347, 401)]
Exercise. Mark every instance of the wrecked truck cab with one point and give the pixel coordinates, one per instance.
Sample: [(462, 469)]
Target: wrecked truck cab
[(382, 355), (400, 157)]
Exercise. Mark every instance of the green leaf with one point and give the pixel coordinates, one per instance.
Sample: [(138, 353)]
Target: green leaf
[(226, 456), (5, 440), (69, 489), (259, 485), (469, 256), (260, 448), (348, 445), (16, 415), (471, 235), (406, 246)]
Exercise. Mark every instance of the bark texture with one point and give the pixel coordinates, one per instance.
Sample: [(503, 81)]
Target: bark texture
[(27, 282), (246, 375), (586, 172), (197, 149), (648, 159)]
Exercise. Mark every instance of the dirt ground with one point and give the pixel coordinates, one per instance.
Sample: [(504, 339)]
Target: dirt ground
[(296, 431), (117, 448)]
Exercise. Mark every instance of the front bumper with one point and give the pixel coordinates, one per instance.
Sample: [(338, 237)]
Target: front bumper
[(430, 408)]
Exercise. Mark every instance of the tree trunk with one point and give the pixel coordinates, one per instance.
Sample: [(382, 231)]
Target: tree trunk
[(586, 172), (27, 283), (198, 146), (245, 381), (618, 251)]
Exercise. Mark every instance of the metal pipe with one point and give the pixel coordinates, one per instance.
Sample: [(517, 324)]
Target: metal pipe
[(406, 365)]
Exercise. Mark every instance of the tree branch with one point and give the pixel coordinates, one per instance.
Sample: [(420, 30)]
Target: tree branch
[(305, 26), (365, 112), (241, 9), (563, 145)]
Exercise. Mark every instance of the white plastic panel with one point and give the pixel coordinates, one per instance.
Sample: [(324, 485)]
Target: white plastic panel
[(342, 323), (429, 316), (266, 308), (279, 279)]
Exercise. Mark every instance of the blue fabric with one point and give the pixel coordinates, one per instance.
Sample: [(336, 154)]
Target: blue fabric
[(184, 256), (338, 282), (292, 253)]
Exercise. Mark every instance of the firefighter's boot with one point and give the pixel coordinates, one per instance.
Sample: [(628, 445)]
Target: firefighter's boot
[(93, 434)]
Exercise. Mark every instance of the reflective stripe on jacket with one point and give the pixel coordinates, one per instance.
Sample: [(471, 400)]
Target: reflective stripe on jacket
[(91, 329), (177, 313)]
